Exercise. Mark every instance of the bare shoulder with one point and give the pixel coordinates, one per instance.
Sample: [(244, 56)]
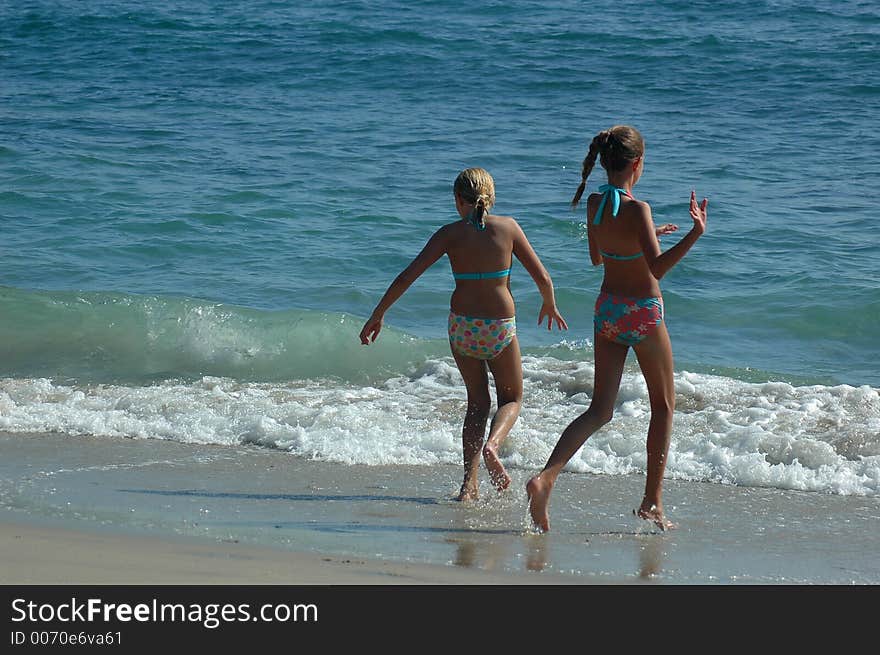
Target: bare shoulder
[(448, 230), (508, 223), (444, 236), (639, 209), (642, 205), (593, 200)]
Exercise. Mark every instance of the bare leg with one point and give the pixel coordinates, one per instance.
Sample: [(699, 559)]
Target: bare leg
[(476, 379), (655, 359), (507, 371), (609, 360)]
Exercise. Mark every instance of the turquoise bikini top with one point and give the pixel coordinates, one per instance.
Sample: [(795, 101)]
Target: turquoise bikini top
[(481, 276), (614, 192)]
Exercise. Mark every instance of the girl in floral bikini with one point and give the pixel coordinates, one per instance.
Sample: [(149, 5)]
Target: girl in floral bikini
[(482, 323), (628, 314)]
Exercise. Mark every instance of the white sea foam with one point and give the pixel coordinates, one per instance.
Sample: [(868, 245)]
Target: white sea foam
[(812, 438)]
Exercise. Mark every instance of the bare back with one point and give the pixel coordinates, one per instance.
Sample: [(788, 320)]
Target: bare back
[(473, 251), (482, 251), (630, 236)]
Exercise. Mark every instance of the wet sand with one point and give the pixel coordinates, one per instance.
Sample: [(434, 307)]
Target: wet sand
[(81, 510)]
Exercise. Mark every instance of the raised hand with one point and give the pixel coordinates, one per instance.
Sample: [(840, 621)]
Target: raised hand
[(698, 212)]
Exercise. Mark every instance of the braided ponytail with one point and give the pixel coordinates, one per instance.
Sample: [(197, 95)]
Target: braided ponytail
[(598, 144), (478, 213)]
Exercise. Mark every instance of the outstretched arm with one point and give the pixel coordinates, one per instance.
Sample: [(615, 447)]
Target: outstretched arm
[(433, 250), (530, 261), (661, 263)]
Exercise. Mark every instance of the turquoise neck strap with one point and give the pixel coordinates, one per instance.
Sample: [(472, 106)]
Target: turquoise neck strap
[(615, 193)]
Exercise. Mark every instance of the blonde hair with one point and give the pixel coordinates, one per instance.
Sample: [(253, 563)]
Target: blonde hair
[(616, 148), (476, 186)]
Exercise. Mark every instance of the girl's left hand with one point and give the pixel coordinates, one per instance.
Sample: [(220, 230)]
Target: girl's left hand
[(666, 228)]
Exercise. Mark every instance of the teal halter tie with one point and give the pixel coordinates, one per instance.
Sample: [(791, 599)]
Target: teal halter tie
[(473, 221), (615, 193)]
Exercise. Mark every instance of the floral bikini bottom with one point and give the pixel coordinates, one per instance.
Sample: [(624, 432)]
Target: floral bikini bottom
[(480, 338), (626, 320)]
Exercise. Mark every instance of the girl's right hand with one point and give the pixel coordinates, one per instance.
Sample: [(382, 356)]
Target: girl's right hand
[(698, 213)]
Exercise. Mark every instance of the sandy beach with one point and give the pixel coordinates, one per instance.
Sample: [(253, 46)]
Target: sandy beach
[(129, 511), (41, 553)]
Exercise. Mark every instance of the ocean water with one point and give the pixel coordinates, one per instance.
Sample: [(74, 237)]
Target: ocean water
[(200, 203)]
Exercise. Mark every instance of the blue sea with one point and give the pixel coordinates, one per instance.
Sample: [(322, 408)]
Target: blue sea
[(201, 202)]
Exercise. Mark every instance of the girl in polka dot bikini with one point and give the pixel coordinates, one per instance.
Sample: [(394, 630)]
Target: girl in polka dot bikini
[(482, 323)]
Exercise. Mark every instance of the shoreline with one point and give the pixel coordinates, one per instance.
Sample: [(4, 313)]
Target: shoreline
[(89, 510)]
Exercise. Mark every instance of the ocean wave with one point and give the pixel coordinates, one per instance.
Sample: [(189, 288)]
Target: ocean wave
[(104, 337), (815, 438)]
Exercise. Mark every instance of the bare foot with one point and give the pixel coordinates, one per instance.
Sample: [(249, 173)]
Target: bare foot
[(538, 492), (497, 473), (467, 492), (651, 513)]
